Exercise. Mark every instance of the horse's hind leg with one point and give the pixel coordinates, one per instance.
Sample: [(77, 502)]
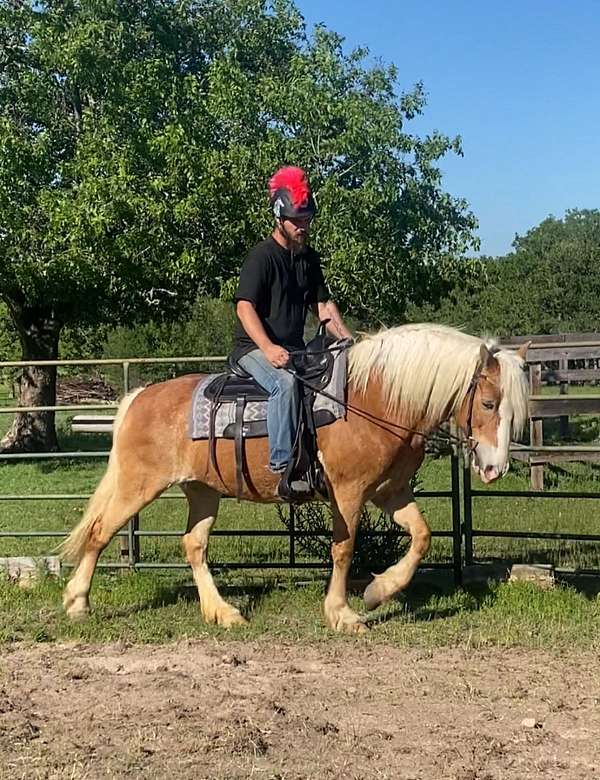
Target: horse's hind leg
[(203, 505), (405, 513), (111, 506)]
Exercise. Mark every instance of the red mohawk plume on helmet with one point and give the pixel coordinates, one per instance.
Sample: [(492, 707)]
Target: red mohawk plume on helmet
[(290, 194), (293, 180)]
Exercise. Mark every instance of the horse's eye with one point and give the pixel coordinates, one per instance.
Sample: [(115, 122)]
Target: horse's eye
[(488, 404)]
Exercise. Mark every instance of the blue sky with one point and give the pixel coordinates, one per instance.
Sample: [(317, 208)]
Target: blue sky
[(519, 81)]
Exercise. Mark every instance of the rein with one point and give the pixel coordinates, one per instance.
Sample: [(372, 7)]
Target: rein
[(393, 428)]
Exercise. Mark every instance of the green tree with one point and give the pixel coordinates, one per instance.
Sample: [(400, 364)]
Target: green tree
[(550, 279), (207, 330), (547, 284), (137, 139), (9, 349)]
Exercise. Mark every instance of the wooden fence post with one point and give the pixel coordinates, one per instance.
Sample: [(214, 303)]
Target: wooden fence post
[(563, 420), (536, 427)]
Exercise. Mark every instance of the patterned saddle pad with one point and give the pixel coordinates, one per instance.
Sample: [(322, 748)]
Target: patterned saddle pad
[(325, 409)]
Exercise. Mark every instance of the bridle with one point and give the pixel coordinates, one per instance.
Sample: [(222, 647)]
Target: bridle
[(473, 384)]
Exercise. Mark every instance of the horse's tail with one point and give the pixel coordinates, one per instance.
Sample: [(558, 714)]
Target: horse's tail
[(72, 549)]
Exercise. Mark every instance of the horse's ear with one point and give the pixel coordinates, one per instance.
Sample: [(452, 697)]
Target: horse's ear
[(486, 356), (522, 351)]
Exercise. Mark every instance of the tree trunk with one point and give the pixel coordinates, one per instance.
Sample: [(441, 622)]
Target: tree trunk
[(39, 332)]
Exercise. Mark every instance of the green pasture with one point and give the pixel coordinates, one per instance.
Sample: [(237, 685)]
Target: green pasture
[(154, 608), (161, 605)]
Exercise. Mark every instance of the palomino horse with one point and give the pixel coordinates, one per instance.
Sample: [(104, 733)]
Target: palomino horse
[(403, 383)]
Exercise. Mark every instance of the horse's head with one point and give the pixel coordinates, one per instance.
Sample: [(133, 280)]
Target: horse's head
[(495, 410)]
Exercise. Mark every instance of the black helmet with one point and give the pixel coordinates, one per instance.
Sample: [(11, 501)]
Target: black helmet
[(290, 194)]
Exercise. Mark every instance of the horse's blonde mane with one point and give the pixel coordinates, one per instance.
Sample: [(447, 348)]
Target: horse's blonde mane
[(425, 371), (515, 387)]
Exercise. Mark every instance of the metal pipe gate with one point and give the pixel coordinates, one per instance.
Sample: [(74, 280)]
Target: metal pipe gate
[(460, 494)]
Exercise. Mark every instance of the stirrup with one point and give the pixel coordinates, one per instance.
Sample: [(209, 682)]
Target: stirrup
[(295, 490), (320, 484)]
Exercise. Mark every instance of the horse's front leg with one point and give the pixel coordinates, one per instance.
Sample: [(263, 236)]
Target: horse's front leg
[(405, 512), (339, 616)]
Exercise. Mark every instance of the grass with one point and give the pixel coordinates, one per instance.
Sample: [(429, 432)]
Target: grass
[(160, 606), (144, 608)]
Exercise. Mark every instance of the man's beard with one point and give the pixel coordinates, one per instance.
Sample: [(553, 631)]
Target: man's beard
[(297, 245)]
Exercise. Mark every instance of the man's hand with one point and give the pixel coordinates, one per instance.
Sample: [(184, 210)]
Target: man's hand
[(277, 356)]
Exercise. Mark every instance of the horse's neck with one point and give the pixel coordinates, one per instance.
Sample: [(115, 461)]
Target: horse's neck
[(371, 407), (372, 401)]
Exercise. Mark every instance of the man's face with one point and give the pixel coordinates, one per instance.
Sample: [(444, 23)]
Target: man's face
[(296, 230)]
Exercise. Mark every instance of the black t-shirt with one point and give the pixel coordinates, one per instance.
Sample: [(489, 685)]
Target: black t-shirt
[(282, 286)]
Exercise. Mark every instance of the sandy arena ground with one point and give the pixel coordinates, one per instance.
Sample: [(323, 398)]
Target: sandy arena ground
[(211, 709)]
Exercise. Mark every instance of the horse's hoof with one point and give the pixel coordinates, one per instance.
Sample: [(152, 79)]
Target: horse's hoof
[(358, 627), (347, 622), (77, 614), (374, 595), (225, 617), (76, 607), (230, 619)]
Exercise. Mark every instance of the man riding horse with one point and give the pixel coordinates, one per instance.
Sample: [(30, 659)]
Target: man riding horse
[(403, 384), (280, 280)]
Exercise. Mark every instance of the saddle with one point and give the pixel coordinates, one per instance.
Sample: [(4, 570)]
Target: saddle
[(313, 368)]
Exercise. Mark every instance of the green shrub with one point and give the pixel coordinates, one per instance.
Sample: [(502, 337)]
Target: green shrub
[(206, 330)]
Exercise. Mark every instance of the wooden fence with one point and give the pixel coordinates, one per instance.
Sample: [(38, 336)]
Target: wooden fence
[(558, 359)]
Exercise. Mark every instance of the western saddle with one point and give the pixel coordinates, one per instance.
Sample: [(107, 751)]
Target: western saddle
[(313, 368)]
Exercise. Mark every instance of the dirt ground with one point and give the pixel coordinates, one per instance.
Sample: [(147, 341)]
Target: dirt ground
[(232, 710)]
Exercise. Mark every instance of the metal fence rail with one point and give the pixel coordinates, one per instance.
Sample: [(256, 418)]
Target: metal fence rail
[(460, 493), (469, 493), (130, 538), (131, 554)]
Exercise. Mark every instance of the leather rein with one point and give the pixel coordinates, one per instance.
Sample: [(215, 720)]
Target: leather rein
[(392, 427)]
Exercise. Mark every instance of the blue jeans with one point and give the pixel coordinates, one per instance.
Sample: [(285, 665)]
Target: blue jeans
[(282, 411)]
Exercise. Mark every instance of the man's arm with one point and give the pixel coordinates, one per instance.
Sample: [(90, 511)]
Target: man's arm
[(276, 355), (327, 310)]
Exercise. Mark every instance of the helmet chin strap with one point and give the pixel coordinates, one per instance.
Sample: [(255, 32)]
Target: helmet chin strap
[(283, 231)]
